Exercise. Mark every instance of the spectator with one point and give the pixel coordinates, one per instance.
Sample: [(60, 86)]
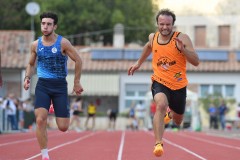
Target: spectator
[(76, 109), (91, 111), (213, 117), (11, 111), (51, 115), (222, 110), (140, 114), (132, 118), (152, 109), (20, 113), (29, 117), (112, 115)]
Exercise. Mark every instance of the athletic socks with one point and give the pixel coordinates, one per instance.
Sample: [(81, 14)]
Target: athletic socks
[(45, 153)]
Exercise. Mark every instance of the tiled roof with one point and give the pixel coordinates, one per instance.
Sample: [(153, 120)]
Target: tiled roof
[(15, 46), (231, 65), (15, 55), (15, 41)]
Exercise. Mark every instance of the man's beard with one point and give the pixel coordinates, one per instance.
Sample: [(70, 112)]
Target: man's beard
[(47, 34), (163, 33)]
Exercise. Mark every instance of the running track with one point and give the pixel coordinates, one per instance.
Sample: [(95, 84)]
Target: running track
[(120, 145)]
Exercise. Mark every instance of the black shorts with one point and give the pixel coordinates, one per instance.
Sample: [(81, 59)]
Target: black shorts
[(55, 90), (76, 113), (91, 114), (176, 98), (113, 116)]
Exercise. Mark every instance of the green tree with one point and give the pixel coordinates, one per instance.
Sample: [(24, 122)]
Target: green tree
[(79, 17), (13, 15)]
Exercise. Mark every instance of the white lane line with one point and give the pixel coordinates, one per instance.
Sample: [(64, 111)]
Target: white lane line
[(64, 144), (121, 146), (185, 149), (182, 148), (211, 142), (25, 140), (16, 142)]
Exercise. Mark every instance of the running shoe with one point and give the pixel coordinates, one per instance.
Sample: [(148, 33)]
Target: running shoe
[(158, 149), (45, 158), (167, 118)]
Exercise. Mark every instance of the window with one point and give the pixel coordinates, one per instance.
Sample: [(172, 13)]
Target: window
[(224, 35), (130, 93), (229, 90), (204, 90), (135, 93), (200, 36), (217, 90)]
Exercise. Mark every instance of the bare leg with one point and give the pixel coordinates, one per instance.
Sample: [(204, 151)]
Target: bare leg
[(41, 127), (86, 123), (158, 120), (62, 123), (177, 118), (93, 122), (76, 120)]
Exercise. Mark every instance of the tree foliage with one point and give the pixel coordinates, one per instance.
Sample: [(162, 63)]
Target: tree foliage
[(78, 17), (13, 15)]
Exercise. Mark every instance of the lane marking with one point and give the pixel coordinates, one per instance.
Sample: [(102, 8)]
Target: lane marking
[(16, 142), (224, 136), (181, 147), (121, 146), (25, 140), (185, 149), (64, 144), (211, 142)]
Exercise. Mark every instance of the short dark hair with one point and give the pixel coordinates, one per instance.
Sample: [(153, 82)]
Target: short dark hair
[(49, 15), (166, 12)]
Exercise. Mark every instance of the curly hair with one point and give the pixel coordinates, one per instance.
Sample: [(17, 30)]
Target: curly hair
[(166, 12), (49, 15)]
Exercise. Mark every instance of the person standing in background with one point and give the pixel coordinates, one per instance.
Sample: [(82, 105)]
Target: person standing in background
[(11, 111), (213, 119), (112, 116), (222, 110), (152, 110), (91, 113), (76, 109), (140, 115), (51, 51)]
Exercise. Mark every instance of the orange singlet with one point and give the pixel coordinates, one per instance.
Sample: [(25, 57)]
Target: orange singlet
[(169, 64)]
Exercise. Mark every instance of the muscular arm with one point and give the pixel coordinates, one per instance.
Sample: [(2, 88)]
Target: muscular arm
[(72, 53), (30, 65), (147, 49), (184, 43)]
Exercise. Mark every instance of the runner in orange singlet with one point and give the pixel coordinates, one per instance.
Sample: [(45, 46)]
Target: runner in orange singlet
[(170, 51)]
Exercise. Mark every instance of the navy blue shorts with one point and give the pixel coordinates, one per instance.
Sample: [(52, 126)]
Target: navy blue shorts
[(55, 90), (176, 98)]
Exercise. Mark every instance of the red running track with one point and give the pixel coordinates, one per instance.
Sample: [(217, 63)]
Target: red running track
[(120, 145)]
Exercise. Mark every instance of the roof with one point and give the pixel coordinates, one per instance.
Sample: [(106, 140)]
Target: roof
[(15, 46), (231, 64)]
